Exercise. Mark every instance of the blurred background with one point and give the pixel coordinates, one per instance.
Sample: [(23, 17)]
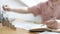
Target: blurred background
[(19, 4)]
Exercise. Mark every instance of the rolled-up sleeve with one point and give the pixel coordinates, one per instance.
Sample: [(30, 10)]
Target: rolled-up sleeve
[(36, 10)]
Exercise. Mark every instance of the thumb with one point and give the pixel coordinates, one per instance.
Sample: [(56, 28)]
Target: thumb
[(5, 5), (46, 22)]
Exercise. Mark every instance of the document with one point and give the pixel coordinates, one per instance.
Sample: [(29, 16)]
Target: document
[(28, 25)]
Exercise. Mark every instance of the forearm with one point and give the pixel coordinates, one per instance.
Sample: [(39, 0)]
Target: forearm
[(21, 10)]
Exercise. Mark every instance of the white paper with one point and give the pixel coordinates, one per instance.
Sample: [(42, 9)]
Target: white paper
[(28, 26), (49, 33)]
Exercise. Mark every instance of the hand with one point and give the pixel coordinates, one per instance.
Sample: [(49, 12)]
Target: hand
[(51, 24), (6, 8)]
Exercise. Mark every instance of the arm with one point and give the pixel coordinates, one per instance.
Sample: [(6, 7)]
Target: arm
[(20, 10)]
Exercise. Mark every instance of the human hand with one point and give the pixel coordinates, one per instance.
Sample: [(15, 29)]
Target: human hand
[(6, 8), (51, 24)]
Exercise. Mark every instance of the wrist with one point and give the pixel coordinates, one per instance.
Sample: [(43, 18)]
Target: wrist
[(10, 9)]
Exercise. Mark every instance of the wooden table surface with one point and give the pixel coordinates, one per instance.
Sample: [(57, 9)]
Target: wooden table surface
[(6, 30)]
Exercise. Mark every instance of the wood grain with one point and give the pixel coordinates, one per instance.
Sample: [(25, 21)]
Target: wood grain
[(6, 30)]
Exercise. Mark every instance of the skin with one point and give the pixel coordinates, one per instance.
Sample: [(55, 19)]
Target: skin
[(53, 2), (7, 8), (50, 24)]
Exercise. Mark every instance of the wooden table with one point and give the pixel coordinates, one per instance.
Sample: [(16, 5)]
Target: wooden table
[(6, 30), (23, 31)]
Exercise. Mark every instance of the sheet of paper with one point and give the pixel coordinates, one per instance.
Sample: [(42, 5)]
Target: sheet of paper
[(28, 26), (48, 33)]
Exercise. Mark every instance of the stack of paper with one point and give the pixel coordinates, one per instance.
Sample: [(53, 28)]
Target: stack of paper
[(28, 26)]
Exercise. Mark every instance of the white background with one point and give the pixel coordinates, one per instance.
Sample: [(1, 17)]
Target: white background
[(18, 4)]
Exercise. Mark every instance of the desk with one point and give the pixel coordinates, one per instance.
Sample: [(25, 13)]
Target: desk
[(23, 31), (6, 30), (18, 30), (0, 25)]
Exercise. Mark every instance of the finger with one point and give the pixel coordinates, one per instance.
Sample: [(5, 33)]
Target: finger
[(3, 7), (6, 5), (54, 26), (46, 22), (51, 24)]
